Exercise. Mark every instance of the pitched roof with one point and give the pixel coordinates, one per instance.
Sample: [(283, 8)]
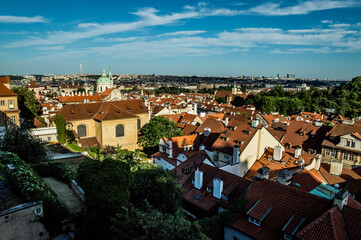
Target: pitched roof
[(328, 226), (215, 125), (5, 80), (79, 98), (89, 142), (286, 203), (103, 110), (5, 91), (32, 84), (233, 185)]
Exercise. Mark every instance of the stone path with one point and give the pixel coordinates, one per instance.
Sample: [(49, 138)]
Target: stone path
[(65, 194)]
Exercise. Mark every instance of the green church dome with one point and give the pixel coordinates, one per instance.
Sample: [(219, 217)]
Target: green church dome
[(104, 78)]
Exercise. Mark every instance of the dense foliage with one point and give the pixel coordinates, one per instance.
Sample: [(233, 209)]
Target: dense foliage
[(345, 99), (157, 186), (21, 142), (152, 132), (213, 226), (33, 188), (106, 185), (149, 223), (28, 105), (59, 170), (60, 128)]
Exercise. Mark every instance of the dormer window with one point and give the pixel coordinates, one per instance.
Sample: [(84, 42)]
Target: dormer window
[(224, 196), (254, 221), (209, 189), (287, 236)]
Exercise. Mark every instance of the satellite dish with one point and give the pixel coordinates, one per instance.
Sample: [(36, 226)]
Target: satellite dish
[(336, 185)]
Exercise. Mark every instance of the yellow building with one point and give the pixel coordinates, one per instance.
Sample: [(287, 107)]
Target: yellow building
[(8, 104), (106, 123)]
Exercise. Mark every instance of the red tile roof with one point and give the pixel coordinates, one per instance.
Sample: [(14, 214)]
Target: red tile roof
[(286, 202), (5, 80), (5, 91)]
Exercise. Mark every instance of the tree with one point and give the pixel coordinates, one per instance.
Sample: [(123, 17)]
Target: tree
[(221, 100), (149, 223), (157, 186), (106, 185), (28, 104), (81, 89), (238, 101), (21, 142), (60, 128), (152, 132), (1, 169)]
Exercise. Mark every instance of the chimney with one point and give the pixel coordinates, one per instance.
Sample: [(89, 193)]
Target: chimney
[(226, 121), (341, 198), (236, 153), (203, 114), (277, 153), (195, 109), (198, 179), (170, 149), (263, 173), (217, 188), (298, 151), (336, 167), (201, 147), (284, 177), (207, 132)]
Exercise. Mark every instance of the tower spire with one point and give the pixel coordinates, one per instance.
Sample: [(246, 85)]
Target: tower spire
[(104, 74)]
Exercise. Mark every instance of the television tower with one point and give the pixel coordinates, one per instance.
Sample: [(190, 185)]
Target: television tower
[(81, 69)]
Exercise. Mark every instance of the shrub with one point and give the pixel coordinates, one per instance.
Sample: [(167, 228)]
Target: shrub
[(61, 171), (33, 188), (28, 148), (73, 146)]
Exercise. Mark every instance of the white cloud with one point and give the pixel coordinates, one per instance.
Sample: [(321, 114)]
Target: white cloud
[(51, 48), (16, 19), (327, 21), (340, 25), (275, 9), (184, 33), (128, 39)]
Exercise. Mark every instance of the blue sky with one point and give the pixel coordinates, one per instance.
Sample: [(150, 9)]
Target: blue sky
[(314, 38)]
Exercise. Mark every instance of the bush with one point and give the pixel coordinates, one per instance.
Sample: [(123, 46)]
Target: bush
[(73, 146), (28, 148), (33, 188), (61, 171)]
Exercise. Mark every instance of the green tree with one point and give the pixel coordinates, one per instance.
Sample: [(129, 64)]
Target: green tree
[(221, 100), (149, 223), (238, 101), (81, 89), (1, 169), (106, 185), (60, 128), (21, 142), (156, 185), (152, 132), (28, 104)]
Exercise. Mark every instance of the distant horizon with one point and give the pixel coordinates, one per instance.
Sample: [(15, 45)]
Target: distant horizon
[(308, 38)]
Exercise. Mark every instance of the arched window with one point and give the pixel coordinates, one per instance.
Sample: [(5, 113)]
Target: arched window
[(119, 130), (82, 131), (139, 124)]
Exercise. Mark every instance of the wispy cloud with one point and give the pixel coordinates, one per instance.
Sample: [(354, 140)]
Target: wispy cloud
[(148, 17), (127, 39), (51, 48), (327, 21), (340, 25), (289, 41), (180, 33), (275, 9), (16, 19)]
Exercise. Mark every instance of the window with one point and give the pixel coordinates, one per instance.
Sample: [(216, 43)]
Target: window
[(49, 139), (209, 189), (287, 236), (139, 124), (348, 143), (254, 221), (224, 196), (2, 102), (345, 156), (82, 131), (13, 119), (119, 130), (330, 152), (11, 103), (353, 144)]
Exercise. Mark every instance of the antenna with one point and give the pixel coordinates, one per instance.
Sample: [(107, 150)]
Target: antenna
[(81, 69)]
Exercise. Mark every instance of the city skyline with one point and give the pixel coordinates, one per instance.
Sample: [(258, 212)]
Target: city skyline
[(316, 39)]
